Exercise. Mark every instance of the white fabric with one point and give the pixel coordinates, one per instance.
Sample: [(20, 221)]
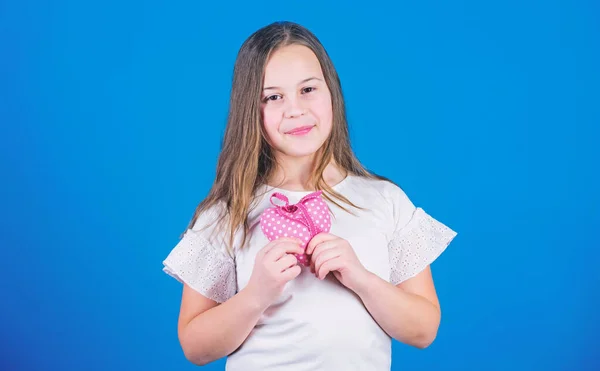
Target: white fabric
[(417, 245), (317, 325), (195, 262)]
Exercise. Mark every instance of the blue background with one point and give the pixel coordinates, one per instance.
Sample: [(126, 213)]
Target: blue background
[(111, 116)]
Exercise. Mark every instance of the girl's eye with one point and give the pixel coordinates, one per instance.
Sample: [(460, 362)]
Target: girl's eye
[(271, 97), (308, 89)]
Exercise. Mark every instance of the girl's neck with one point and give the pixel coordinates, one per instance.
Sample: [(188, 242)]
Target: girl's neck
[(293, 174)]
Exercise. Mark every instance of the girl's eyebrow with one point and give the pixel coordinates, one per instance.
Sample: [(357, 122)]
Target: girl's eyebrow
[(300, 83)]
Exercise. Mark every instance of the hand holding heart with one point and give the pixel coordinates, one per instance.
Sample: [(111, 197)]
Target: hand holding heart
[(329, 253), (303, 220), (309, 221)]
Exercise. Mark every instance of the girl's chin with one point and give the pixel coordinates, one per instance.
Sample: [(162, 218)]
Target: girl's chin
[(300, 146), (296, 153)]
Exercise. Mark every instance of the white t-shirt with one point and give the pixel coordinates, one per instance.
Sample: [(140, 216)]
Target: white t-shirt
[(317, 325)]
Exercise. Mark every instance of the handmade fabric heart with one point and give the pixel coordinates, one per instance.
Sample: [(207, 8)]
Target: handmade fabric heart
[(303, 220)]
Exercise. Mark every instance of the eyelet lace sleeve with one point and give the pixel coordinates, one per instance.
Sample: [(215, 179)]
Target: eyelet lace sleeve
[(416, 245), (203, 266)]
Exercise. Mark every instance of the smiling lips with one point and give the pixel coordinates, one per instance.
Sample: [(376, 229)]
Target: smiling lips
[(303, 130)]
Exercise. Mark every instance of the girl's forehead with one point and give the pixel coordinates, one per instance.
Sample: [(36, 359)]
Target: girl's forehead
[(290, 65)]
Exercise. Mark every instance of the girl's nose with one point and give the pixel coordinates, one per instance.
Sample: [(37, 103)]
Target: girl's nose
[(294, 109)]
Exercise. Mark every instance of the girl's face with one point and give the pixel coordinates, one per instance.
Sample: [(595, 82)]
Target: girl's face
[(296, 102)]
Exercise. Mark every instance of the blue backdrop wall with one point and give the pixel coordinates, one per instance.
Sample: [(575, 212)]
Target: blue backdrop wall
[(111, 116)]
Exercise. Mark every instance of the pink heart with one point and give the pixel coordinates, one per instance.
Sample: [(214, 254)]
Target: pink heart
[(303, 220)]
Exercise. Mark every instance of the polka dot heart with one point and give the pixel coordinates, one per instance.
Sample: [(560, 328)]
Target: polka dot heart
[(303, 220)]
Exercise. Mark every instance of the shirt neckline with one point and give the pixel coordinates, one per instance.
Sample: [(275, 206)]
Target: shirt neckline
[(336, 188)]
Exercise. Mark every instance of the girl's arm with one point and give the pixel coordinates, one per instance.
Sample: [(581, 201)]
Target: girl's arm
[(409, 312), (209, 331)]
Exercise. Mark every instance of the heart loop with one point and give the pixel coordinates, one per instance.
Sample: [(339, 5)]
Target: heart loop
[(293, 208), (280, 197), (310, 213)]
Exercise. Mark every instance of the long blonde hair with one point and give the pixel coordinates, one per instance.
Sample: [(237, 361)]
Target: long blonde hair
[(246, 160)]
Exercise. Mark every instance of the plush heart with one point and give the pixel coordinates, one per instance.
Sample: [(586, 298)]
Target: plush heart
[(303, 220)]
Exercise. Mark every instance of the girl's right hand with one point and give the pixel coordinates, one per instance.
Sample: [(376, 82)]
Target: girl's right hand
[(274, 266)]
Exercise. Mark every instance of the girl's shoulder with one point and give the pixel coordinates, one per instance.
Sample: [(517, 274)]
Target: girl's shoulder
[(382, 196), (375, 189), (201, 258), (212, 225), (209, 217)]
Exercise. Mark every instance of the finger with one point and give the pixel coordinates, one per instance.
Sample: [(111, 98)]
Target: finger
[(287, 261), (291, 273), (324, 246), (279, 241), (276, 253), (284, 241), (317, 239), (325, 256), (329, 266), (281, 249)]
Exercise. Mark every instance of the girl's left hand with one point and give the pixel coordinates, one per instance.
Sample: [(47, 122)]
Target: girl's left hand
[(329, 253)]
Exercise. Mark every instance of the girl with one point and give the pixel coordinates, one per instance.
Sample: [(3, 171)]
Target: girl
[(349, 271)]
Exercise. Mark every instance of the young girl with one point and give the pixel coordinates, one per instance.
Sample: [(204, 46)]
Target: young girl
[(299, 258)]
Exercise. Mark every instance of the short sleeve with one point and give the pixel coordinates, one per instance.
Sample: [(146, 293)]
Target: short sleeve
[(416, 238), (201, 260)]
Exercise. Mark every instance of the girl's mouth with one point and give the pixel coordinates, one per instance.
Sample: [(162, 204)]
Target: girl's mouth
[(303, 130)]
